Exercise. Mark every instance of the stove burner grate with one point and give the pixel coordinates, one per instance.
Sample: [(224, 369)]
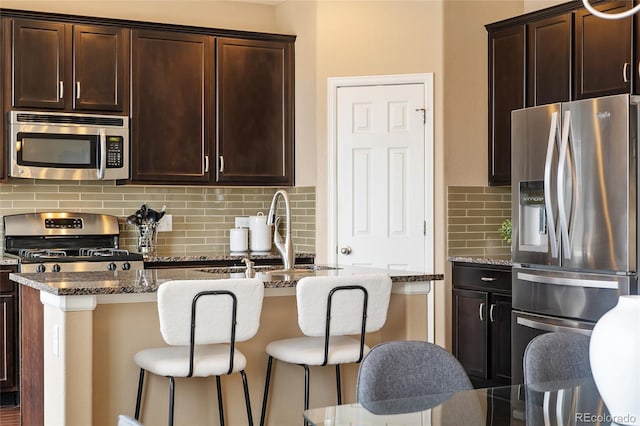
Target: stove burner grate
[(103, 252), (35, 253)]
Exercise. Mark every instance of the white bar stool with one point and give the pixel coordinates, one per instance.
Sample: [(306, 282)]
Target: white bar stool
[(330, 309), (202, 320)]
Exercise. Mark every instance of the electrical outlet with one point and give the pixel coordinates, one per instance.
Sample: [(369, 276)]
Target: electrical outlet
[(165, 224)]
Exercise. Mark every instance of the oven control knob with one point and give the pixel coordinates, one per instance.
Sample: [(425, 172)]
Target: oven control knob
[(126, 266), (56, 268), (41, 268), (112, 266)]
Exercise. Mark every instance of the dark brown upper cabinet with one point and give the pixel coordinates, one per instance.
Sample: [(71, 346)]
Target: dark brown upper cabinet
[(62, 66), (603, 64), (549, 60), (254, 111), (101, 64), (506, 93), (172, 114), (569, 55)]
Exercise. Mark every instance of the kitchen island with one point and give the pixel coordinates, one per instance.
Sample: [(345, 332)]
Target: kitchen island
[(93, 323)]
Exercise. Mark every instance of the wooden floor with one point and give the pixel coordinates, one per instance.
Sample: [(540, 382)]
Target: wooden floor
[(10, 416)]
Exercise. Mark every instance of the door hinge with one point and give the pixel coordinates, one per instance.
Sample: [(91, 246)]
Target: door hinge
[(425, 228), (424, 114)]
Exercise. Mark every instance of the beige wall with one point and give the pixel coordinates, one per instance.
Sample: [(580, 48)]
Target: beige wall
[(213, 13)]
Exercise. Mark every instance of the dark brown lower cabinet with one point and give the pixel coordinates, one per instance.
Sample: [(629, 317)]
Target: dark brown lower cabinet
[(482, 322), (8, 338)]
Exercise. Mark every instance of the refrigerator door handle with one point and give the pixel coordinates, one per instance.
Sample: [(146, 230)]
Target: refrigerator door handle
[(538, 325), (564, 281), (554, 128), (562, 161)]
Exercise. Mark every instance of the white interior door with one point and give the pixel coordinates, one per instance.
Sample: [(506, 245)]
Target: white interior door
[(381, 205)]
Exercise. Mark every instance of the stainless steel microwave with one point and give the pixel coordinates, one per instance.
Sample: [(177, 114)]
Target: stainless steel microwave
[(68, 146)]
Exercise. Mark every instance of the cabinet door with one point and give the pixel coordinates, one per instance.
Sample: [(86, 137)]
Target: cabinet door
[(549, 60), (171, 106), (8, 332), (506, 93), (603, 53), (470, 345), (500, 319), (255, 111), (5, 86), (39, 49), (101, 62)]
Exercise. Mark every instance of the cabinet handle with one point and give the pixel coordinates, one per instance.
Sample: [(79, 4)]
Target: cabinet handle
[(61, 89), (206, 164), (488, 279), (491, 318), (481, 311), (77, 90), (221, 164), (624, 72)]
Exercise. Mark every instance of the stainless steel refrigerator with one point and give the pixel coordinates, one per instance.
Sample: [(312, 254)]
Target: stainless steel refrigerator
[(574, 215)]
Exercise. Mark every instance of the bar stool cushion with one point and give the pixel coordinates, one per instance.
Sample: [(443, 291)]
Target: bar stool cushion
[(209, 360), (310, 350)]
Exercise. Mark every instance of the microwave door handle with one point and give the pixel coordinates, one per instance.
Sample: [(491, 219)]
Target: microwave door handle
[(103, 154), (553, 137), (562, 161)]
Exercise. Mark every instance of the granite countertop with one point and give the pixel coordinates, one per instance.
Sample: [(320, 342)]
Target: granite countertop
[(230, 256), (481, 260), (7, 259), (148, 280)]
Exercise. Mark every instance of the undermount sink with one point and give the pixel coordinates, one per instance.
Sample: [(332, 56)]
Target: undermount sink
[(299, 271), (273, 272)]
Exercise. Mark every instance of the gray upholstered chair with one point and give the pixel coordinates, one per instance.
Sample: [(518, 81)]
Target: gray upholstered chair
[(409, 370), (556, 356), (553, 361), (201, 321)]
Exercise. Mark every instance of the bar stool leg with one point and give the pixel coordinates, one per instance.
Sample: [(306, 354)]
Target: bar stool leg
[(263, 412), (338, 384), (139, 398), (247, 399), (220, 408), (172, 391), (306, 389)]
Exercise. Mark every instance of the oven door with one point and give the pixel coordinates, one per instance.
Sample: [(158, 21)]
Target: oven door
[(526, 326)]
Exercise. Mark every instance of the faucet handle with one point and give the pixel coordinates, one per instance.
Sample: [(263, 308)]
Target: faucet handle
[(249, 272), (277, 239)]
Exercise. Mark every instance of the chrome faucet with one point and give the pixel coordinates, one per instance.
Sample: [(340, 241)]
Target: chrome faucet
[(285, 249)]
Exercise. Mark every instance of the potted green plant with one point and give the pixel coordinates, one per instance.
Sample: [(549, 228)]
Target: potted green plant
[(505, 229)]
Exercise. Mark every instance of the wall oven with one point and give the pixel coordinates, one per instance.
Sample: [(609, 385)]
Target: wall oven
[(68, 146)]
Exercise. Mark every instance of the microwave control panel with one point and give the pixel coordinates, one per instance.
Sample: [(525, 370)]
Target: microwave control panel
[(115, 152)]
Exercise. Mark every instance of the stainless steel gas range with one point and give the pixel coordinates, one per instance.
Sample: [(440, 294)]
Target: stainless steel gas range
[(67, 242)]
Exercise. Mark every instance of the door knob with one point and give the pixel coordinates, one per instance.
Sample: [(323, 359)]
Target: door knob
[(345, 250)]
